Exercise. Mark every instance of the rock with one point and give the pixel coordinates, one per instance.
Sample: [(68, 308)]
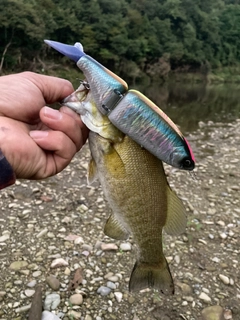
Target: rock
[(29, 292), (32, 283), (59, 262), (76, 299), (118, 296), (42, 233), (203, 296), (224, 279), (111, 285), (18, 265), (103, 291), (74, 314), (109, 247), (53, 282), (227, 314), (46, 315), (213, 313), (126, 246), (23, 308), (186, 289), (51, 301), (2, 294), (4, 237), (37, 274), (113, 278)]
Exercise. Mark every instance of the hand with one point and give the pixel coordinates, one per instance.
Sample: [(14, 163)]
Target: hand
[(37, 141)]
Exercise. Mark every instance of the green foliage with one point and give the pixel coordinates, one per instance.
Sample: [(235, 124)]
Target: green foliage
[(128, 36)]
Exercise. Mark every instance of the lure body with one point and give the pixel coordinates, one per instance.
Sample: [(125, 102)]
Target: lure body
[(130, 111)]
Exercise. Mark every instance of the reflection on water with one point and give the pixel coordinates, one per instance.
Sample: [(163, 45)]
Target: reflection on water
[(188, 104)]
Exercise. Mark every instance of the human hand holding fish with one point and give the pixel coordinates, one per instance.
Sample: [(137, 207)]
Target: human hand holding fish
[(36, 140)]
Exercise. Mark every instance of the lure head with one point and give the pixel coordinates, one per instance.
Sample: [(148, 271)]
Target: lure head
[(188, 163), (182, 157)]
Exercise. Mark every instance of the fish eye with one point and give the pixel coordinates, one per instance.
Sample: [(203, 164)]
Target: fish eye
[(188, 164)]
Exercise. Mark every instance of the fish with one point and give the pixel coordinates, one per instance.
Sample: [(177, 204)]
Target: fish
[(135, 186), (130, 111)]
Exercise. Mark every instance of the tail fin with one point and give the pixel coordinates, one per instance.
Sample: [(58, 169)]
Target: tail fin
[(157, 276)]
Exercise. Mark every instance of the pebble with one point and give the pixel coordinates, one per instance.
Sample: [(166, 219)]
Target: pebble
[(46, 315), (53, 282), (59, 262), (18, 265), (224, 279), (126, 246), (76, 299), (37, 274), (23, 308), (103, 291), (118, 296), (29, 292), (42, 233), (51, 301), (2, 295), (113, 278), (4, 237), (109, 247), (203, 296), (111, 285), (223, 235), (212, 313), (74, 314), (32, 283)]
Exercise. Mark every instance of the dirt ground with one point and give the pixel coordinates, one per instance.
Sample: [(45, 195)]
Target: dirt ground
[(37, 219)]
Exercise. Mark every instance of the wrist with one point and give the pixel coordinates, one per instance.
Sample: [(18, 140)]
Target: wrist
[(7, 176)]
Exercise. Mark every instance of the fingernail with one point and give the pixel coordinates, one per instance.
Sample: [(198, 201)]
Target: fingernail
[(38, 134), (53, 114)]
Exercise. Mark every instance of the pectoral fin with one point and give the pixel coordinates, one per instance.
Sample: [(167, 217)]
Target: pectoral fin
[(114, 229), (92, 171), (176, 215)]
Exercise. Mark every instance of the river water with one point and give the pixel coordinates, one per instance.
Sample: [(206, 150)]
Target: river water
[(188, 104)]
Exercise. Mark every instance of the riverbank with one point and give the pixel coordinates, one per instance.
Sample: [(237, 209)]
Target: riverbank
[(63, 218)]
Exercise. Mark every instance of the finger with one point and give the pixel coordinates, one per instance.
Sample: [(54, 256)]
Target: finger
[(62, 151), (52, 88), (77, 117), (65, 123)]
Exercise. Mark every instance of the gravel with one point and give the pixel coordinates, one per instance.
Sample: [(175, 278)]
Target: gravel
[(51, 230)]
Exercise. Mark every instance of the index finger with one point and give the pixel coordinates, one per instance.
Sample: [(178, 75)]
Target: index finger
[(53, 89)]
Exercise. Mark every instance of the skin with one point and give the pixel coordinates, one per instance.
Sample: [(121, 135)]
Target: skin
[(38, 141)]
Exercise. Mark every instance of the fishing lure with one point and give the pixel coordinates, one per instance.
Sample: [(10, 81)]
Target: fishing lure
[(130, 111)]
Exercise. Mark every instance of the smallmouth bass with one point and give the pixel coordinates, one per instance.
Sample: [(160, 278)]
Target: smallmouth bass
[(135, 185)]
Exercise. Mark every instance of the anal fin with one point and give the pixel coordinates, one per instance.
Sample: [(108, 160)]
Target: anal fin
[(114, 229)]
